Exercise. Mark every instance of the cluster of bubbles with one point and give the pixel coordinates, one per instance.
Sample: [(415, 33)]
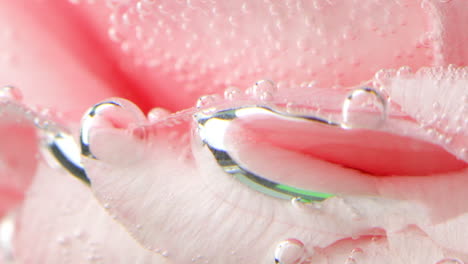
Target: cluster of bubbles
[(293, 251), (265, 91), (446, 118)]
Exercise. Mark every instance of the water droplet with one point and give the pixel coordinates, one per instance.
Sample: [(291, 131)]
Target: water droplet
[(157, 114), (7, 230), (290, 251), (165, 254), (207, 100), (364, 108), (264, 90), (10, 93), (112, 113), (232, 93), (449, 261)]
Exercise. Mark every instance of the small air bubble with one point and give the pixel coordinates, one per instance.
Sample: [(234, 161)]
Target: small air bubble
[(157, 114), (114, 35), (298, 203), (10, 93), (360, 106), (383, 77), (207, 101), (263, 90), (232, 93), (464, 153), (289, 251), (404, 72), (63, 241), (465, 99), (7, 230)]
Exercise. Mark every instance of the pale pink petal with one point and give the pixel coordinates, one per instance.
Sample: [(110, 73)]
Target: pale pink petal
[(162, 184), (69, 226), (17, 154)]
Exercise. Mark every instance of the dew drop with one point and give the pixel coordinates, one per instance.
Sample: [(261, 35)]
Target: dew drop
[(289, 251), (157, 114), (112, 113), (449, 261), (364, 108), (232, 93), (7, 230), (10, 93), (207, 101)]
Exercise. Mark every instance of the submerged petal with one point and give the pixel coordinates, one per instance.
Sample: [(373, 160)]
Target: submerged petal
[(169, 187)]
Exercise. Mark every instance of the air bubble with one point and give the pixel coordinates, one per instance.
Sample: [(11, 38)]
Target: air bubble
[(354, 255), (404, 72), (364, 108), (464, 153), (63, 241), (383, 77), (7, 230), (290, 251), (232, 93), (157, 114), (263, 90), (207, 101), (10, 93), (449, 261), (114, 35), (298, 203), (113, 113)]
